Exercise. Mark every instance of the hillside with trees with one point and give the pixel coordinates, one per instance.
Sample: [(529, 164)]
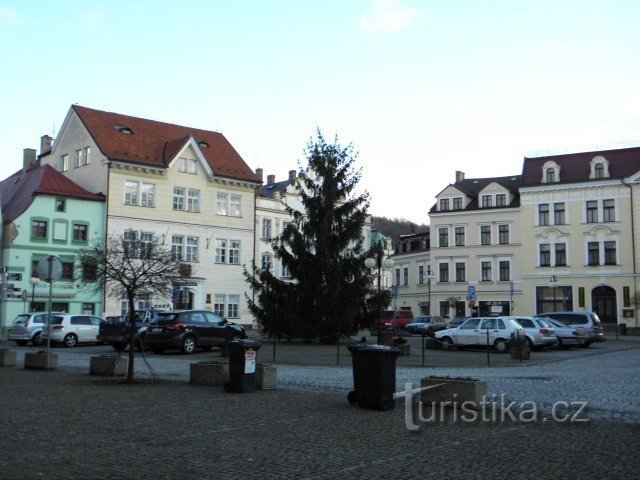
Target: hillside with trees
[(394, 227)]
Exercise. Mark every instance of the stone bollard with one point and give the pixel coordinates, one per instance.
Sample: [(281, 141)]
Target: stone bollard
[(7, 357), (38, 360), (108, 366), (224, 350), (209, 373), (266, 377)]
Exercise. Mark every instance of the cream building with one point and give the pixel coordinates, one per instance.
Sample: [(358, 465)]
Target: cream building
[(476, 248), (412, 274), (185, 186)]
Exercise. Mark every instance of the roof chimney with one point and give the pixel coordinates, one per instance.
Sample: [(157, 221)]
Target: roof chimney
[(260, 173), (28, 159), (292, 174), (271, 179), (45, 144), (459, 176)]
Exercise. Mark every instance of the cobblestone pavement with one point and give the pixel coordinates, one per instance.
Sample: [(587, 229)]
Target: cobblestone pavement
[(67, 425)]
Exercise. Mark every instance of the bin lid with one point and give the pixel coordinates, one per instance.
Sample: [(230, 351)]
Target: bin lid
[(380, 349), (246, 344)]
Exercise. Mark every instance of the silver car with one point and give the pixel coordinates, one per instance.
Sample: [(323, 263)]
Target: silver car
[(538, 331), (72, 329), (567, 336), (587, 325), (481, 331), (28, 328)]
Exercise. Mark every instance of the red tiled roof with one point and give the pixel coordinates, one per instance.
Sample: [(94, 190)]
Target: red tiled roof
[(152, 142), (18, 191)]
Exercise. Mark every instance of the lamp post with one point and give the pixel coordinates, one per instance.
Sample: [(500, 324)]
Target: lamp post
[(553, 283), (386, 263), (429, 278), (33, 281)]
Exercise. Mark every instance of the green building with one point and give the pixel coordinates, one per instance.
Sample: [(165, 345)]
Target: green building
[(44, 213)]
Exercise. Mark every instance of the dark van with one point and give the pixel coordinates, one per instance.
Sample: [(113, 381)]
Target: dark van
[(392, 319)]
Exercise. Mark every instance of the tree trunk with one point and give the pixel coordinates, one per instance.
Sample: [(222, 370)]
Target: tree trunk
[(133, 333)]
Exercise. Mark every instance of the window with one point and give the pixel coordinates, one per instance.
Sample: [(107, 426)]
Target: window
[(61, 205), (176, 247), (227, 305), (67, 271), (501, 200), (545, 255), (505, 270), (266, 262), (219, 304), (592, 211), (551, 175), (457, 203), (234, 252), (599, 171), (80, 233), (593, 253), (485, 267), (608, 211), (188, 165), (266, 228), (444, 272), (39, 229), (77, 161), (147, 194), (87, 154), (227, 204), (405, 276), (610, 253), (443, 237), (461, 272), (64, 163), (558, 213), (459, 236), (397, 276), (420, 274), (178, 198), (485, 235), (221, 251), (191, 249), (145, 245), (129, 242), (543, 214), (193, 200), (286, 273), (88, 308), (561, 254), (486, 201), (444, 204), (503, 234)]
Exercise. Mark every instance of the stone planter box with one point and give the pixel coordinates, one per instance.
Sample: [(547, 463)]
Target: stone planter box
[(525, 355), (108, 366), (404, 349), (431, 343), (7, 357), (266, 377), (209, 373), (386, 338), (633, 330), (38, 361), (453, 391)]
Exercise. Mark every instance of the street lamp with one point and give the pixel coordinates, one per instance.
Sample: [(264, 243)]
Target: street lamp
[(553, 283), (429, 278), (33, 281), (386, 263)]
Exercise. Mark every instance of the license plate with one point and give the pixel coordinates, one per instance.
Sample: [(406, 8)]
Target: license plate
[(156, 329)]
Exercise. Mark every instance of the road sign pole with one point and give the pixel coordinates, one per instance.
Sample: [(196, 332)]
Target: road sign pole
[(50, 260)]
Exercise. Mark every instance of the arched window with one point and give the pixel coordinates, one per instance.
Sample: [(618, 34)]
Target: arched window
[(551, 175), (599, 171)]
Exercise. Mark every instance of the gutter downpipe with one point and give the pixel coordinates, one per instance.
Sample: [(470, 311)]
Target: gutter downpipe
[(633, 250)]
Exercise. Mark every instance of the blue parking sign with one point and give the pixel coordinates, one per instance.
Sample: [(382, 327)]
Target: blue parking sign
[(472, 293)]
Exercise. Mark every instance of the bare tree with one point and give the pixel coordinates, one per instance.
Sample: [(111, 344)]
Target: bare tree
[(130, 268)]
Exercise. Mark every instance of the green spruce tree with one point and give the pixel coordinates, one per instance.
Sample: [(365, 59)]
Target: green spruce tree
[(330, 290)]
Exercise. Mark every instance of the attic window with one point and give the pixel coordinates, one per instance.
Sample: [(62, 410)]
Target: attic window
[(476, 181), (599, 168), (203, 144), (123, 129), (550, 172)]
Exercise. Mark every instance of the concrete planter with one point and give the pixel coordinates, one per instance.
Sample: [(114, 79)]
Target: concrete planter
[(209, 373), (633, 330), (431, 343), (386, 338), (7, 357), (108, 366), (266, 377), (404, 349), (38, 361), (517, 355), (454, 392)]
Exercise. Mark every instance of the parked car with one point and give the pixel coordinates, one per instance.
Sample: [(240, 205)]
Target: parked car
[(480, 331), (116, 330), (28, 328), (190, 329), (538, 331), (457, 321), (587, 325), (394, 319), (426, 324), (72, 329), (567, 335)]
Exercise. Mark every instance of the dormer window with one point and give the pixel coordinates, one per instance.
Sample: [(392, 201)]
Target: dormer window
[(444, 204), (486, 201), (457, 203), (203, 144), (123, 129), (550, 172), (599, 168)]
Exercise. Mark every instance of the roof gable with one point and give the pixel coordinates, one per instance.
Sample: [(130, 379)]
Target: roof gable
[(176, 150), (149, 142)]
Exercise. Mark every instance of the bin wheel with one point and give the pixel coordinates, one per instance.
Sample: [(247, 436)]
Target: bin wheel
[(351, 397), (384, 404), (227, 387)]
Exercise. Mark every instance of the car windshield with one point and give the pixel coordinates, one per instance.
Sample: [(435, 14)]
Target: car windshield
[(56, 320), (556, 323), (165, 318), (20, 319), (544, 322)]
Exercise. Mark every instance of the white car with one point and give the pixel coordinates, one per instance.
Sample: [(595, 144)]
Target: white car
[(480, 331), (71, 329)]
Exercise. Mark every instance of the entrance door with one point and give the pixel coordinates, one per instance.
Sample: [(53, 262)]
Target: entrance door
[(185, 299), (603, 301)]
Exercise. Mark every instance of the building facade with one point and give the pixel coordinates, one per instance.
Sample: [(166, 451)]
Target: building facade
[(411, 274), (187, 187), (45, 213)]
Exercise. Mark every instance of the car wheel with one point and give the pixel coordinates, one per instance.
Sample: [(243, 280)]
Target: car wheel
[(188, 345), (500, 345), (157, 350), (530, 342), (447, 344), (22, 343), (70, 340), (37, 339), (234, 336)]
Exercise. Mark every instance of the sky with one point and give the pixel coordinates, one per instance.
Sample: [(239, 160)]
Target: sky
[(421, 88)]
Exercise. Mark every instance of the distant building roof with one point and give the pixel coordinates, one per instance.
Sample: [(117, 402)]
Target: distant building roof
[(153, 143), (270, 189), (18, 191), (472, 187)]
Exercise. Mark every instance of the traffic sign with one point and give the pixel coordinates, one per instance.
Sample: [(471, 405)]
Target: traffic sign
[(24, 295), (472, 292)]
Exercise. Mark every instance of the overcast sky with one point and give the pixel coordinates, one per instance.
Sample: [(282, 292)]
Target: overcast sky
[(421, 88)]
